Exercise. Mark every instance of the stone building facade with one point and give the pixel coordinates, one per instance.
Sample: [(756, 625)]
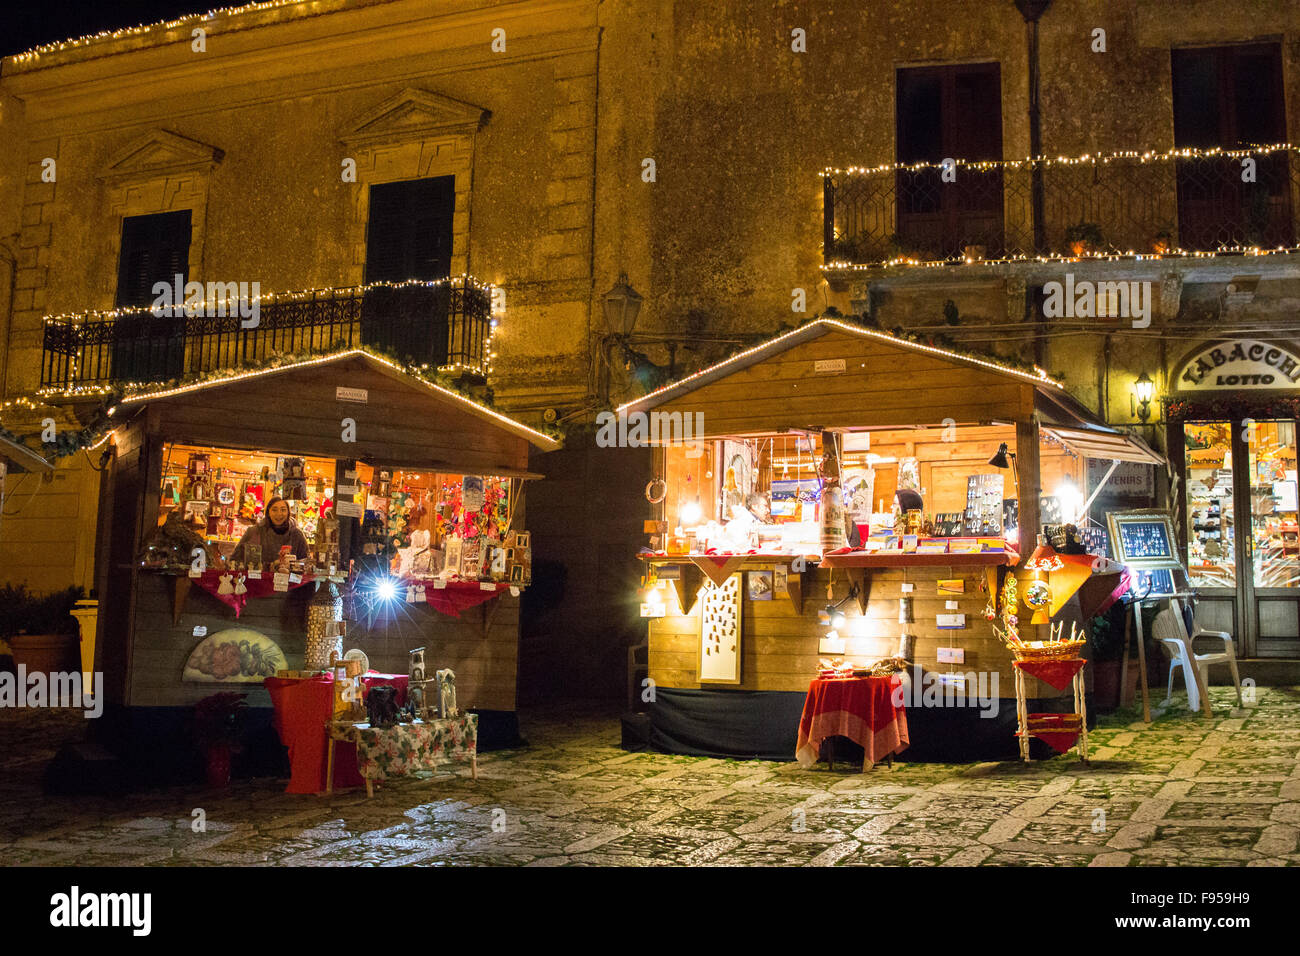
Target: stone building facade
[(685, 145)]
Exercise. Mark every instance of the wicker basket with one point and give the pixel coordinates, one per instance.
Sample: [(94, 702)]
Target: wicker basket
[(1047, 650)]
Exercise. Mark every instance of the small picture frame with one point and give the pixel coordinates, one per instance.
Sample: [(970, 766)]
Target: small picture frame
[(523, 539), (517, 574)]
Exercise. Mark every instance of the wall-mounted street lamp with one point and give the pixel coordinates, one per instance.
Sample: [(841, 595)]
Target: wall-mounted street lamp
[(1144, 391), (622, 306)]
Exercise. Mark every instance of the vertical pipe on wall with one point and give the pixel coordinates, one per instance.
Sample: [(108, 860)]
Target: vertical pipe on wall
[(1032, 10)]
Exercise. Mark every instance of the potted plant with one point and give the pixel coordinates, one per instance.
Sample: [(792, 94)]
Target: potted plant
[(218, 721), (1105, 647), (1163, 241), (40, 631), (1084, 238)]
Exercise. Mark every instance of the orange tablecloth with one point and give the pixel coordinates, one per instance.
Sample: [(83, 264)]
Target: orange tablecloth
[(860, 708)]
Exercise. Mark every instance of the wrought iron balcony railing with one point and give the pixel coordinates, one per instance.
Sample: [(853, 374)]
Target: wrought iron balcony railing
[(1184, 201), (444, 324)]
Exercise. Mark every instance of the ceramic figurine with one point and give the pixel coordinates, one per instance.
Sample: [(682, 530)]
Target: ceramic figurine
[(447, 693)]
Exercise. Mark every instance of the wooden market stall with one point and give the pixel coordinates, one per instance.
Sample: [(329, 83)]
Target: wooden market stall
[(379, 467), (982, 454)]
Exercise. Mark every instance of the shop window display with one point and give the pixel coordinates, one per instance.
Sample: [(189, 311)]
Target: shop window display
[(1211, 558), (1273, 512), (916, 490)]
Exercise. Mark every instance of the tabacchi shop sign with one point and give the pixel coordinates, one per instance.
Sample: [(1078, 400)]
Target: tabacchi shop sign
[(1240, 363)]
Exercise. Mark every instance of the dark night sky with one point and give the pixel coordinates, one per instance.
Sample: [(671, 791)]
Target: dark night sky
[(29, 24)]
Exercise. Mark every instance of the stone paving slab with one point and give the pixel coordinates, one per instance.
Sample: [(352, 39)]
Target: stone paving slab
[(1182, 791)]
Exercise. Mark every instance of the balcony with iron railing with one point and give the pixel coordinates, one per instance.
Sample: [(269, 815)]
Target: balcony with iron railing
[(1173, 204), (443, 325)]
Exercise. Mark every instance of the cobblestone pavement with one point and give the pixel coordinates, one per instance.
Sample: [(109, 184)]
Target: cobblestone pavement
[(1184, 791)]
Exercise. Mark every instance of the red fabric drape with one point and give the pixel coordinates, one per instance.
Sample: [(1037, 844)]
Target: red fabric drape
[(302, 708), (860, 708), (459, 596), (1057, 673)]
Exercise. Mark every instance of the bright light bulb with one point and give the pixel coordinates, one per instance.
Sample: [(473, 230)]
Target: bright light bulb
[(386, 589), (691, 512)]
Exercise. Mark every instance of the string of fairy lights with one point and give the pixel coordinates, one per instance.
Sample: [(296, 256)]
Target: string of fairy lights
[(1147, 157), (1103, 159), (230, 307), (143, 28)]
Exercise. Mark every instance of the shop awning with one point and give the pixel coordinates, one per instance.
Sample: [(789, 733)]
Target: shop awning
[(1070, 423), (23, 456)]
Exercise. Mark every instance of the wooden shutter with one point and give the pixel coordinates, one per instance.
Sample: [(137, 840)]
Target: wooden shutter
[(155, 248), (409, 232)]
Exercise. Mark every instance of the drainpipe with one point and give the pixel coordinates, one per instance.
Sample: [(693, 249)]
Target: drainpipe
[(12, 259), (1032, 10)]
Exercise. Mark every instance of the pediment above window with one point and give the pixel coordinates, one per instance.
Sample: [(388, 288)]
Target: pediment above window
[(414, 114), (161, 153)]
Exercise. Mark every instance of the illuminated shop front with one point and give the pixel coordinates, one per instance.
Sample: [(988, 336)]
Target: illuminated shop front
[(1232, 410)]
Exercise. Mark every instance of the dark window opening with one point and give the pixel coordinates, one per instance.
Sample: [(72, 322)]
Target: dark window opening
[(949, 112), (1231, 97), (155, 248), (409, 236)]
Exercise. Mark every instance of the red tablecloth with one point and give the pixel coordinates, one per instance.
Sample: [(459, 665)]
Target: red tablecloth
[(459, 596), (302, 708), (860, 708), (261, 587)]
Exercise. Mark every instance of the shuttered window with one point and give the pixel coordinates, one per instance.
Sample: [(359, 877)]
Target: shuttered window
[(155, 248), (408, 235)]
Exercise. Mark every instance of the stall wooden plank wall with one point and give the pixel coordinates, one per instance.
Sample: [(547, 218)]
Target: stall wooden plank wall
[(881, 385), (779, 648), (485, 666)]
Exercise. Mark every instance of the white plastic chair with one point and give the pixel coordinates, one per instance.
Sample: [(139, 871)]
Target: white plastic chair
[(1170, 630)]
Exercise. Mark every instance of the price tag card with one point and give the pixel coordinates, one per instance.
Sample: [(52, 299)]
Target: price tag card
[(439, 584), (349, 509), (486, 586), (254, 575), (908, 588), (281, 581), (195, 574), (295, 577)]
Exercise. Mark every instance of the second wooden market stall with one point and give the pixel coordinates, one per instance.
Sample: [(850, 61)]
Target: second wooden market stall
[(949, 464)]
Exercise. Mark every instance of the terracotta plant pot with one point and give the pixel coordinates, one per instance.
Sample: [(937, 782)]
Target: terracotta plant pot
[(216, 765), (46, 653)]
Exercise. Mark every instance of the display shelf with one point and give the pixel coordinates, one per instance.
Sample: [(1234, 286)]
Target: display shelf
[(900, 559)]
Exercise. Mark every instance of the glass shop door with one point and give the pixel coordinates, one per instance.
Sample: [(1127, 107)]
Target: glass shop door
[(1239, 497)]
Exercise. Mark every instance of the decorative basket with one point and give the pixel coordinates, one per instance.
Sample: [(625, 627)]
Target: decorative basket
[(1046, 650)]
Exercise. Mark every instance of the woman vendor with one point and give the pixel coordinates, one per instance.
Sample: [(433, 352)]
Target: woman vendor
[(274, 531)]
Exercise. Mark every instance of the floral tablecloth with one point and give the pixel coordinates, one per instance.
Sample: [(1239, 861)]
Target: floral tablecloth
[(420, 745)]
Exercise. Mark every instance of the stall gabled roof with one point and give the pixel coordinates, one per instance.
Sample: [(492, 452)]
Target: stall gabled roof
[(814, 330), (377, 363)]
